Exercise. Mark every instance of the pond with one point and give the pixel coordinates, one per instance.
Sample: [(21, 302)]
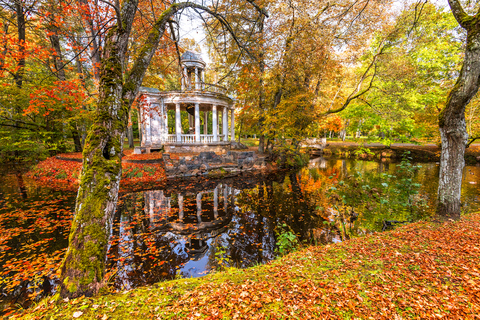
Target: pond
[(194, 227)]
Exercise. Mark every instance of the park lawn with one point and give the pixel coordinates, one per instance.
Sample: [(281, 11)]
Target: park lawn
[(418, 271)]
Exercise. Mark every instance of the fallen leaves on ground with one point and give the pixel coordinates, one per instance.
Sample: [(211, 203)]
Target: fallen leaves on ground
[(422, 270), (61, 174)]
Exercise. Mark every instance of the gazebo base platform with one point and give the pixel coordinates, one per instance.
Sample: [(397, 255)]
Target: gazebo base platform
[(217, 147)]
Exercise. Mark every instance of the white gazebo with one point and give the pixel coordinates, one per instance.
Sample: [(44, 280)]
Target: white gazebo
[(203, 103)]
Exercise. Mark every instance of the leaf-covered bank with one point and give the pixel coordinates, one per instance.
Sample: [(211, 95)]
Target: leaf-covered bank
[(418, 271), (63, 172)]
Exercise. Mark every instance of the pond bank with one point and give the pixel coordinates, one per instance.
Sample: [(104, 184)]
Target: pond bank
[(143, 171), (422, 270), (378, 151)]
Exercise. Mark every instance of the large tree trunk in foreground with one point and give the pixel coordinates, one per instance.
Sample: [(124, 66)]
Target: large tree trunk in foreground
[(83, 267), (452, 125)]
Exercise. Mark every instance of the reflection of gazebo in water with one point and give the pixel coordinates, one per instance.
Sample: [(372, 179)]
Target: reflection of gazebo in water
[(200, 100), (200, 216)]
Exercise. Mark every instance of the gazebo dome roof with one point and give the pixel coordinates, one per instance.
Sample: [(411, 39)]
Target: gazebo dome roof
[(192, 58)]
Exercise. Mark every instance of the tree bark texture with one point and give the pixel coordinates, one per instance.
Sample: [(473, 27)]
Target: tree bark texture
[(453, 131), (84, 263)]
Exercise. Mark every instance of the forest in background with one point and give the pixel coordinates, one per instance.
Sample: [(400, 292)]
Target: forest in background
[(292, 73)]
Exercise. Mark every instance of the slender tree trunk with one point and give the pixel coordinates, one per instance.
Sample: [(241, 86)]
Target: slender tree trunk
[(21, 24), (261, 87), (77, 142), (3, 54), (452, 124), (130, 131), (58, 60), (93, 41)]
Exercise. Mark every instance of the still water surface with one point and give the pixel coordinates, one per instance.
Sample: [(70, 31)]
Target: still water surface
[(192, 227)]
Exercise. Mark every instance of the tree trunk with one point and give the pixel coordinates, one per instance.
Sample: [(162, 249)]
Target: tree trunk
[(83, 267), (77, 142), (130, 132), (261, 87), (452, 124), (21, 24), (261, 144)]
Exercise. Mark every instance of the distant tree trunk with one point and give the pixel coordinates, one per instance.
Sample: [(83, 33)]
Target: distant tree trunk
[(452, 124), (261, 143), (21, 25), (77, 142), (261, 86), (130, 131)]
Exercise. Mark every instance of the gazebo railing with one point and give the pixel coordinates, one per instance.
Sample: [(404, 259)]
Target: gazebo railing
[(191, 139), (207, 87)]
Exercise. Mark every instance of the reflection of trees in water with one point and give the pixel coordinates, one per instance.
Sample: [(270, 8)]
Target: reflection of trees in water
[(157, 233), (181, 229)]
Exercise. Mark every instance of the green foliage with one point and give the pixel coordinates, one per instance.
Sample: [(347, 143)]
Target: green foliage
[(289, 156), (222, 258), (286, 240), (363, 150), (379, 197), (413, 77)]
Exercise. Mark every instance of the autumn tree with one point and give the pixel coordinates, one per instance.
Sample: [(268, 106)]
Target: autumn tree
[(39, 94), (413, 76), (301, 49)]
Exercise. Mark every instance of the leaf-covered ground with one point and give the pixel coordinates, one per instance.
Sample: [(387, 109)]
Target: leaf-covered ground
[(419, 271), (62, 174)]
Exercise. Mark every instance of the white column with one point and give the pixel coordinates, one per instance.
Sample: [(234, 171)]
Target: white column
[(178, 122), (225, 124), (180, 207), (214, 123), (232, 125), (199, 208), (164, 131), (166, 122), (187, 80), (148, 126), (197, 80), (197, 122), (205, 122), (225, 198), (184, 79)]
